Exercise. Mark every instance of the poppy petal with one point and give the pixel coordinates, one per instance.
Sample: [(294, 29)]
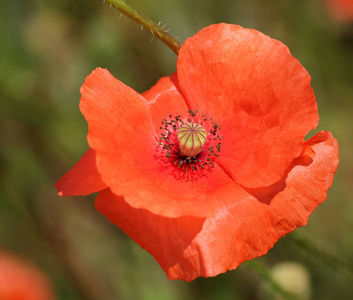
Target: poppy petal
[(151, 232), (258, 93), (341, 10), (83, 179), (246, 229), (122, 134), (250, 229), (164, 99), (22, 280)]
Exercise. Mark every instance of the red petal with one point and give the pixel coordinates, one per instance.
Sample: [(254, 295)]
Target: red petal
[(250, 229), (246, 229), (164, 99), (342, 10), (83, 179), (257, 92), (21, 280), (123, 136), (151, 232)]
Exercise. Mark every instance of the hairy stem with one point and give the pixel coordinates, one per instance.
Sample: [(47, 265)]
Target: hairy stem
[(150, 25)]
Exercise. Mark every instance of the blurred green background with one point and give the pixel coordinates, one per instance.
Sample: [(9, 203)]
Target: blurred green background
[(47, 48)]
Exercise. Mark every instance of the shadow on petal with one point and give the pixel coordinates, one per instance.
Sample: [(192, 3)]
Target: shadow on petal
[(267, 193), (165, 238)]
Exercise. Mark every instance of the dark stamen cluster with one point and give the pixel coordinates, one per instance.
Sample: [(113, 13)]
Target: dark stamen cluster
[(192, 112), (170, 145), (167, 141)]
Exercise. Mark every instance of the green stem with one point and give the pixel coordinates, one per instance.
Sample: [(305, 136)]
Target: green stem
[(267, 276), (339, 264), (151, 26)]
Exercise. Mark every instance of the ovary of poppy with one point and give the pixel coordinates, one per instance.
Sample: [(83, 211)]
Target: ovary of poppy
[(256, 178), (342, 10), (20, 280)]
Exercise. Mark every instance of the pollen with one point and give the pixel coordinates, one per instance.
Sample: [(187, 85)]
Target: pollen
[(192, 137)]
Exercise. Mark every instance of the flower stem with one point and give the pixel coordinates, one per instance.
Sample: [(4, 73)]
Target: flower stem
[(267, 276), (337, 263), (150, 25)]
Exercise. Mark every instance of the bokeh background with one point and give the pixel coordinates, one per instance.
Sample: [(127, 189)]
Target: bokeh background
[(47, 48)]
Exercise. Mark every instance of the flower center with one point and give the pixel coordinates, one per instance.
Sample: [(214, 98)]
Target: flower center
[(192, 137), (189, 144)]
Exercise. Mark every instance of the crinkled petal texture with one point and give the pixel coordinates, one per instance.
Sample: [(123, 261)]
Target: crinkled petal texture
[(258, 93), (250, 84), (265, 183), (189, 247), (122, 132), (20, 280)]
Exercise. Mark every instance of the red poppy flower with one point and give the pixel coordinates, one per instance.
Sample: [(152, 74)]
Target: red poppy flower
[(241, 178), (341, 10), (20, 280)]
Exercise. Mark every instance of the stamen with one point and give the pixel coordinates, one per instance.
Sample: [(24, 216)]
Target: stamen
[(187, 144)]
